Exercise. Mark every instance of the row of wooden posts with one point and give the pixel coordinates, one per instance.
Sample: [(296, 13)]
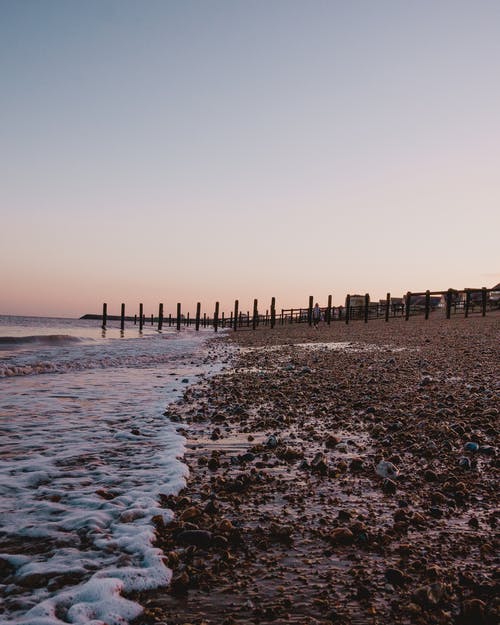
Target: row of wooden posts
[(346, 313)]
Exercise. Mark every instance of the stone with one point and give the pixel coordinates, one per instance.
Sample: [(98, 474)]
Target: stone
[(389, 486), (190, 513), (429, 595), (386, 469), (356, 464), (395, 577), (198, 538), (341, 536), (430, 475), (332, 441)]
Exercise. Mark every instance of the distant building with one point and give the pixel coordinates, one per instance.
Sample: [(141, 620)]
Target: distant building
[(495, 294)]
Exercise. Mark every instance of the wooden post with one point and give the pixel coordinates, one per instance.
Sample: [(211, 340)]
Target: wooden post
[(273, 312), (122, 318), (367, 306), (188, 320), (198, 313), (204, 320), (104, 315), (178, 316), (483, 300), (223, 320), (448, 304), (310, 311), (387, 306), (347, 308), (135, 320), (141, 316), (170, 320), (235, 318), (329, 310), (467, 302), (408, 305), (255, 313), (152, 320), (427, 303), (160, 317), (216, 316)]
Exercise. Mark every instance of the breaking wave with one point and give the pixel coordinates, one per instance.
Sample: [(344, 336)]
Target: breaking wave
[(37, 368), (42, 339)]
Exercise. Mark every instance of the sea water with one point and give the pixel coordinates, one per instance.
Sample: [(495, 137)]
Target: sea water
[(86, 451)]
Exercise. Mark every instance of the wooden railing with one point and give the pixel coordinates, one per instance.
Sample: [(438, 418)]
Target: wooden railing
[(356, 307)]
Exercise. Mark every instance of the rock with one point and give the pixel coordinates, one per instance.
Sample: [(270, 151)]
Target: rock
[(387, 469), (435, 512), (363, 592), (389, 486), (487, 450), (395, 577), (6, 568), (180, 583), (464, 463), (210, 507), (248, 457), (290, 454), (341, 536), (318, 463), (332, 441), (429, 595), (281, 533), (213, 464), (430, 475), (216, 434), (190, 513), (356, 464), (198, 538), (473, 611), (272, 442)]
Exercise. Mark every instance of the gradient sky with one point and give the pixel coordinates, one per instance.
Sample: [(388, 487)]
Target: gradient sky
[(214, 149)]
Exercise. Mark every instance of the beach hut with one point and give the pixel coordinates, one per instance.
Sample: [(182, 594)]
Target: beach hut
[(495, 295)]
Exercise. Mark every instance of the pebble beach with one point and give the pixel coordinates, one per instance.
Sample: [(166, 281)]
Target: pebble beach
[(344, 474)]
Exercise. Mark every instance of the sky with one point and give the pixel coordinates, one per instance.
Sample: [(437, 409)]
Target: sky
[(212, 150)]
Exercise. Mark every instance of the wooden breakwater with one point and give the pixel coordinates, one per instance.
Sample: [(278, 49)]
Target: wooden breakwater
[(356, 307)]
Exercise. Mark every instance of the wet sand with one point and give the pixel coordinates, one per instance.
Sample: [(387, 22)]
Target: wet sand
[(349, 480)]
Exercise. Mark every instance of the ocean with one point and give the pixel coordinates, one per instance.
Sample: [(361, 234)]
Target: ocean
[(86, 451)]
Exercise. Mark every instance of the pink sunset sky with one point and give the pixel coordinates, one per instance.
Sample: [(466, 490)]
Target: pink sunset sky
[(188, 151)]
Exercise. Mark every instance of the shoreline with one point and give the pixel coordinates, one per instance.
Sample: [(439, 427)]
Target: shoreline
[(285, 518)]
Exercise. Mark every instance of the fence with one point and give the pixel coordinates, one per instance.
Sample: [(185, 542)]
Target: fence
[(357, 307)]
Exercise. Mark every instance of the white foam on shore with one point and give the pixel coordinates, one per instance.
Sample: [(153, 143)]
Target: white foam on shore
[(325, 346), (84, 459)]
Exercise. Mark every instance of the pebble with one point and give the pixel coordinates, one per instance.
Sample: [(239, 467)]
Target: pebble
[(198, 538), (389, 486), (345, 523), (387, 469), (395, 577), (341, 536), (464, 462)]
